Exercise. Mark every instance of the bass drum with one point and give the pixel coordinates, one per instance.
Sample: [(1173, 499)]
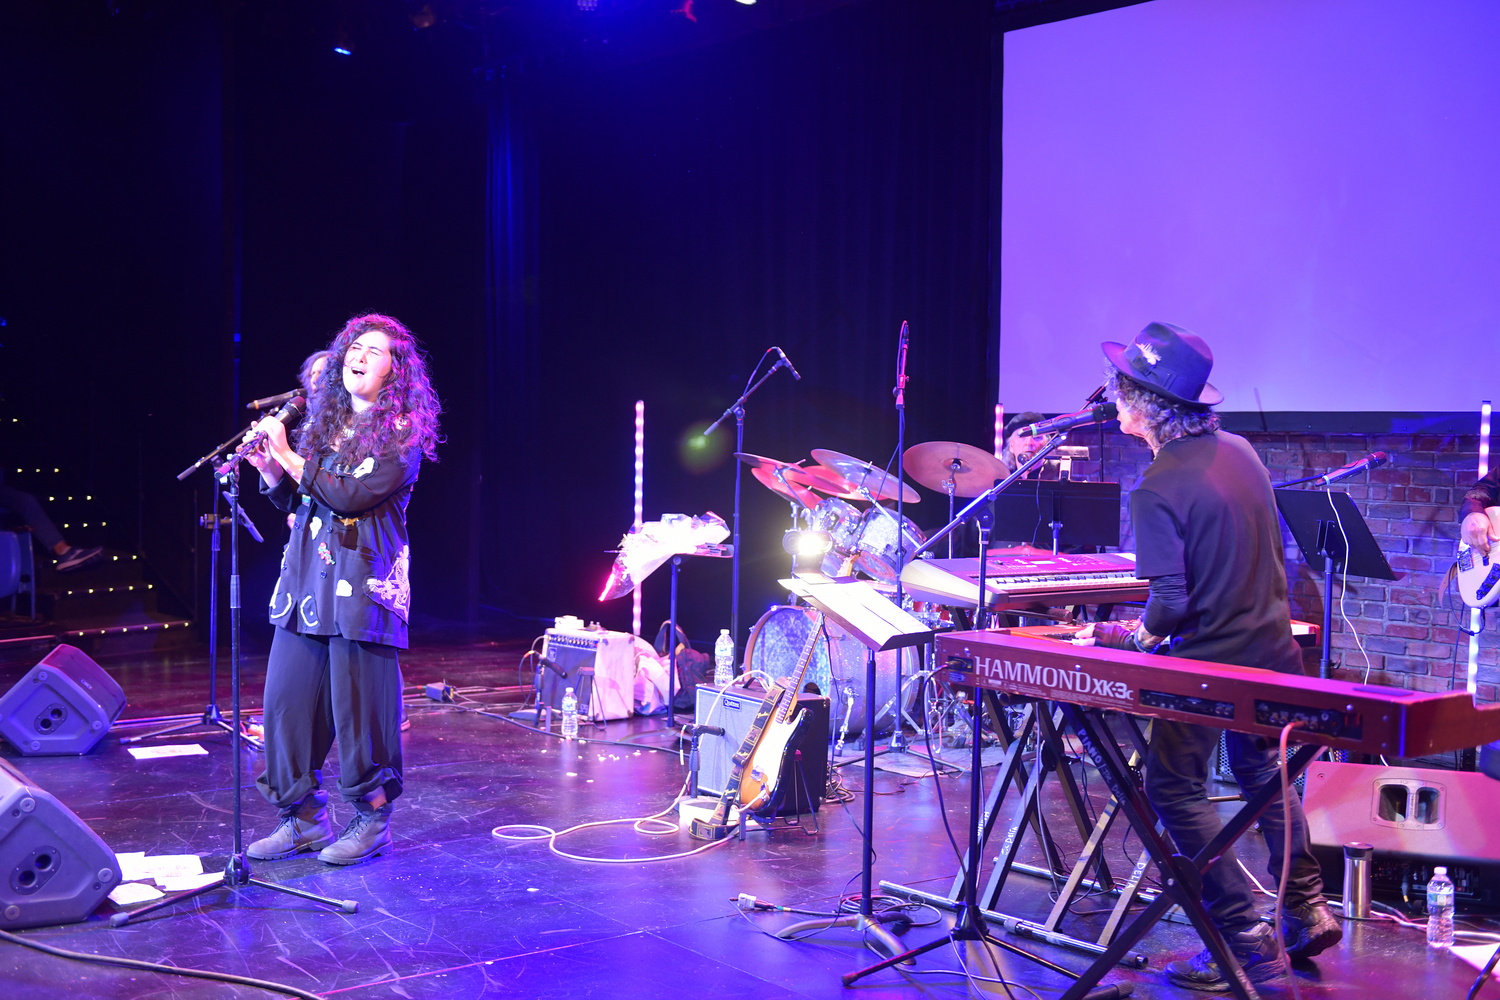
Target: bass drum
[(837, 667)]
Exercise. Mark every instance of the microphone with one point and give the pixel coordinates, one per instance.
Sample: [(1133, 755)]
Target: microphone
[(288, 415), (788, 362), (693, 730), (271, 402), (1093, 415), (901, 367), (1374, 460)]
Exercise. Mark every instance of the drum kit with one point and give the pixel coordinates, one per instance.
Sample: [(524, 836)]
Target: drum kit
[(824, 497)]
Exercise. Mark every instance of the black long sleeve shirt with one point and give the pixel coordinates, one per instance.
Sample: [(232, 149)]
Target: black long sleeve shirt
[(344, 571)]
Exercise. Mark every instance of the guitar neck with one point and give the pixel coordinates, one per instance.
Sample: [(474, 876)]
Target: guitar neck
[(804, 660)]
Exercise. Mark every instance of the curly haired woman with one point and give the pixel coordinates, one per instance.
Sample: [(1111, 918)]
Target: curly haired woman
[(341, 603)]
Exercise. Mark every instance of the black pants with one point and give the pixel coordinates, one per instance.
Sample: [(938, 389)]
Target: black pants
[(319, 685), (1176, 773)]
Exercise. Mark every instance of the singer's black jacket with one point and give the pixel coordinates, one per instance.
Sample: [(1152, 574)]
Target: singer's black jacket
[(1485, 493), (344, 571)]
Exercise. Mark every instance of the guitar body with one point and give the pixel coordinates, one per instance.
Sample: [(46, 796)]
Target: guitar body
[(754, 785), (761, 790), (1478, 575)]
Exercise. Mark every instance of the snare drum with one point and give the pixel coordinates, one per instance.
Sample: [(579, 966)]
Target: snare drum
[(837, 667), (878, 556)]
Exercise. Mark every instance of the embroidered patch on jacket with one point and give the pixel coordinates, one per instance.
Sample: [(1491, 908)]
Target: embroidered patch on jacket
[(394, 591), (315, 526), (285, 608), (324, 554), (308, 619), (365, 468), (343, 589)]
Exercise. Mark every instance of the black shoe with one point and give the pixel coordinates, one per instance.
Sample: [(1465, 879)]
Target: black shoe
[(77, 558), (1309, 929), (1257, 953)]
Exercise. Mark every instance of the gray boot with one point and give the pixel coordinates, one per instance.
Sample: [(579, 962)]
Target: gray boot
[(304, 827), (368, 834)]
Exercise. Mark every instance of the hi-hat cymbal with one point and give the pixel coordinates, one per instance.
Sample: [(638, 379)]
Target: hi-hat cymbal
[(973, 470), (788, 482), (880, 484)]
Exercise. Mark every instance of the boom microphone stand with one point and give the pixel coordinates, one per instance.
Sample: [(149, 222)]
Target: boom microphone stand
[(897, 741), (237, 871), (737, 410)]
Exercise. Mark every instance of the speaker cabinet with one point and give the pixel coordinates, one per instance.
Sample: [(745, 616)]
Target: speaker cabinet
[(53, 868), (65, 704), (804, 773), (1416, 819)]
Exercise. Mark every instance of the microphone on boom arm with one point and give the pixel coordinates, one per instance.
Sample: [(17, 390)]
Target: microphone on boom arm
[(271, 402), (1374, 460), (1093, 415)]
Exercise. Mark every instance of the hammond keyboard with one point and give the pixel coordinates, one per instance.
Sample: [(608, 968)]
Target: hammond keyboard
[(1364, 718), (1019, 580)]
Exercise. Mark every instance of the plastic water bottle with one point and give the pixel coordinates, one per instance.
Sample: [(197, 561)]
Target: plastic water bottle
[(1440, 909), (723, 658), (570, 715)]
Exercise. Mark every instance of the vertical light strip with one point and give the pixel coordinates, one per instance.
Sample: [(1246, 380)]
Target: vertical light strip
[(1484, 469), (640, 493), (999, 428)]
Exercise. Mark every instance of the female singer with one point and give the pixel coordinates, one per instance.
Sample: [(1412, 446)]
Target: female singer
[(340, 606)]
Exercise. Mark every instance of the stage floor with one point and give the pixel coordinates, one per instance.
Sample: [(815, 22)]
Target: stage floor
[(456, 912)]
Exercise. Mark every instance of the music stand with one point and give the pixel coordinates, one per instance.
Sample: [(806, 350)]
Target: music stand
[(1075, 513), (1320, 521), (880, 624)]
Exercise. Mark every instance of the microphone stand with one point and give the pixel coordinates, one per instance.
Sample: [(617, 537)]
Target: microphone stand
[(897, 741), (736, 410), (237, 873)]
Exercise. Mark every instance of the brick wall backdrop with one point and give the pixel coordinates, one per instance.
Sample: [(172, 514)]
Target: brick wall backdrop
[(1409, 627)]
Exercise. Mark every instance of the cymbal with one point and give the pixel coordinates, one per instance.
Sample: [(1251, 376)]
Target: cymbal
[(882, 485), (787, 482), (830, 482), (973, 470), (762, 462)]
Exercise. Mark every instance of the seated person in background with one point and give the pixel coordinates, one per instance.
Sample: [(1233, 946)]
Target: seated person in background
[(1016, 448), (28, 510), (1475, 530)]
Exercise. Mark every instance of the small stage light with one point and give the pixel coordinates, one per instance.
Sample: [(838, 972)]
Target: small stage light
[(342, 51)]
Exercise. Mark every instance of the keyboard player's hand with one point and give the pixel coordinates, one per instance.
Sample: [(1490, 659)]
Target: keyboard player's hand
[(1116, 635)]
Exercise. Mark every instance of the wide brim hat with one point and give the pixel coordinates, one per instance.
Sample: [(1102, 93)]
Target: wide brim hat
[(1170, 362)]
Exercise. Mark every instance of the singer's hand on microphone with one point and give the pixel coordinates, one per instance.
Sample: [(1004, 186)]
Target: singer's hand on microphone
[(1475, 532)]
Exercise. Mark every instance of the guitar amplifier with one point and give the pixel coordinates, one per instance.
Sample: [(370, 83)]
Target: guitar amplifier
[(597, 664), (805, 773)]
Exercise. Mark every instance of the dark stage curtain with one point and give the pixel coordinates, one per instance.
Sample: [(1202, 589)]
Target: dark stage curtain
[(811, 186)]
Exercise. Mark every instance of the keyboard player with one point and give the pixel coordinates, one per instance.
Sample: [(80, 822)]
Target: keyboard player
[(1208, 539)]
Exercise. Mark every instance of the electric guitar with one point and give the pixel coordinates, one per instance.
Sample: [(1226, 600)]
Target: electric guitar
[(784, 690), (759, 787), (1478, 574)]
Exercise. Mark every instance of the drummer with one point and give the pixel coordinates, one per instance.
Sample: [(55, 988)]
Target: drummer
[(1018, 448)]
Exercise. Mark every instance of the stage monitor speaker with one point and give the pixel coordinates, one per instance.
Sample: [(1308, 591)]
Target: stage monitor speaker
[(65, 704), (53, 868), (736, 713), (1415, 818)]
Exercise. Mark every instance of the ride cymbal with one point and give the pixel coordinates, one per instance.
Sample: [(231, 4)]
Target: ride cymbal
[(880, 484), (973, 470)]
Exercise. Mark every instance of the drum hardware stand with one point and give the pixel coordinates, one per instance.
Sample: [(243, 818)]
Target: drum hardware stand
[(897, 742), (237, 872), (736, 410)]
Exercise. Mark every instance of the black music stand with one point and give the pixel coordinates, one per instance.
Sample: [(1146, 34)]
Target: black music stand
[(709, 551), (1074, 514), (1315, 518), (879, 624)]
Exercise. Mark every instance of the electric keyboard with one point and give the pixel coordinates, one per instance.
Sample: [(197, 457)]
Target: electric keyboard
[(1364, 718), (1015, 581)]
